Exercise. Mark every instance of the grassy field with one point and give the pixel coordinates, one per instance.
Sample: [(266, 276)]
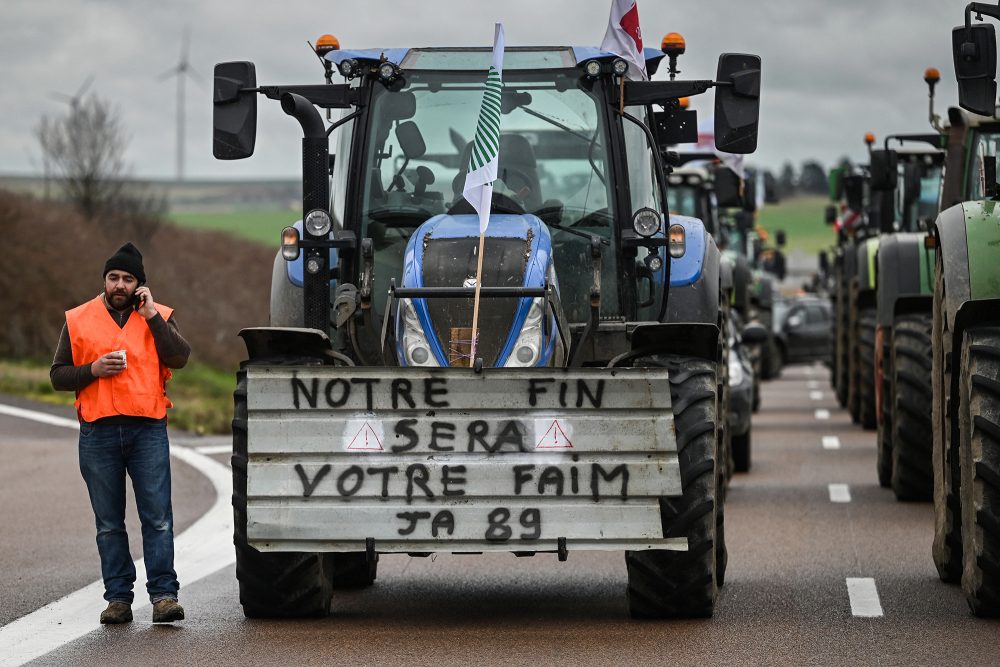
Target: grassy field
[(802, 220), (260, 225), (202, 395)]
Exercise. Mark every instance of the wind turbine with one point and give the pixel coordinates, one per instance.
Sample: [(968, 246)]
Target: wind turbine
[(74, 100), (181, 70)]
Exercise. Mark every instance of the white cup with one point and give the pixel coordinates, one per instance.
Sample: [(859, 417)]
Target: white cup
[(121, 355)]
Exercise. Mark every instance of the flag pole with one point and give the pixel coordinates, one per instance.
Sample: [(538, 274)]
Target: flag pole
[(475, 305), (484, 207)]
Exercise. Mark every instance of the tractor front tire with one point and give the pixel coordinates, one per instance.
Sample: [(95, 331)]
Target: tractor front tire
[(866, 368), (272, 584), (912, 399), (664, 583), (979, 452), (947, 546)]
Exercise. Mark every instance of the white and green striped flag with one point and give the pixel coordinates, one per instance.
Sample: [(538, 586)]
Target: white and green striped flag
[(485, 159)]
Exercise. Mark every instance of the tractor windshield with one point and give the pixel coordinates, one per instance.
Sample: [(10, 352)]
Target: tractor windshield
[(985, 148), (553, 163)]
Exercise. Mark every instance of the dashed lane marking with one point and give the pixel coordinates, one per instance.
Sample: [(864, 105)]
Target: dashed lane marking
[(203, 549), (839, 493), (831, 442), (864, 597), (816, 395), (822, 414), (214, 449)]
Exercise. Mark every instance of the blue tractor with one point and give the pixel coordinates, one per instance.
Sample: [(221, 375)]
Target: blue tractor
[(366, 424)]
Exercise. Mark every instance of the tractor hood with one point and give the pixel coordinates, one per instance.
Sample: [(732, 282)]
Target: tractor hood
[(443, 253)]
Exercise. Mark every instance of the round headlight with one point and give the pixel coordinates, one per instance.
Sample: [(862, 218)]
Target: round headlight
[(525, 354), (314, 264), (419, 355), (348, 67), (619, 66), (646, 222), (318, 222), (592, 68)]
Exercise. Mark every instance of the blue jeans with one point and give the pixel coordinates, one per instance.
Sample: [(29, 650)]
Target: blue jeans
[(107, 453)]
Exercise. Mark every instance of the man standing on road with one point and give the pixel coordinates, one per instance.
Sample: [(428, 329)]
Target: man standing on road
[(116, 352)]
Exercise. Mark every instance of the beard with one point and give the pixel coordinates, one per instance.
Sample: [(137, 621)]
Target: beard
[(118, 299)]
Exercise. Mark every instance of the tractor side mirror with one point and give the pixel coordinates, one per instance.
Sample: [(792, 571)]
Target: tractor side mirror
[(883, 170), (836, 183), (727, 188), (854, 192), (234, 111), (737, 103), (754, 334), (974, 50), (911, 184), (824, 262), (830, 215)]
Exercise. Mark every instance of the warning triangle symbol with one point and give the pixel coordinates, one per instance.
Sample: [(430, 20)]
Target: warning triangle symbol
[(554, 438), (366, 440)]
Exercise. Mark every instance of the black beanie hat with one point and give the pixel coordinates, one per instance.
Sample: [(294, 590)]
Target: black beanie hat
[(128, 258)]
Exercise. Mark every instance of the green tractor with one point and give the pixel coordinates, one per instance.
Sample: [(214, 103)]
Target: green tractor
[(966, 329), (908, 180)]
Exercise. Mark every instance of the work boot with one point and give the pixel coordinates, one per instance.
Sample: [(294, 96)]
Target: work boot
[(117, 612), (167, 611)]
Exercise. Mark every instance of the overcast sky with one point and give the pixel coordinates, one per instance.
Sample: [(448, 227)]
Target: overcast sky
[(832, 69)]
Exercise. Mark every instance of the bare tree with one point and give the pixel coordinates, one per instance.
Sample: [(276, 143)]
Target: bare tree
[(85, 148)]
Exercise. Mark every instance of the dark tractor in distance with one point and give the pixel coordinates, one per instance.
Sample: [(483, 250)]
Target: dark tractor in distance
[(589, 416)]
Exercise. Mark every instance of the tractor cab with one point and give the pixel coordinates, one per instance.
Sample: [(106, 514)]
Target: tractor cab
[(580, 243)]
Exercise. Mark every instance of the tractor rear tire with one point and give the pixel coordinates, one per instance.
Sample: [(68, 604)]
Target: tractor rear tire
[(272, 584), (866, 368), (841, 347), (684, 584), (883, 460), (912, 399), (979, 426), (947, 546), (741, 452)]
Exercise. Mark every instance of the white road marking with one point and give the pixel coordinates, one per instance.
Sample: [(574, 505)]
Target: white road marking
[(203, 549), (816, 395), (822, 414), (831, 442), (42, 417), (864, 597), (839, 493), (214, 449)]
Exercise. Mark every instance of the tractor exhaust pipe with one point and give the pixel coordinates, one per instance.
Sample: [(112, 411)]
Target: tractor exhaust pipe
[(315, 195)]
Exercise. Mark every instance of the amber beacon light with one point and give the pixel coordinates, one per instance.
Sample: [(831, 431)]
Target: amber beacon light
[(673, 44), (327, 43)]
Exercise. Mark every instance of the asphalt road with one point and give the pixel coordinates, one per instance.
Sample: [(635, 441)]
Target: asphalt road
[(792, 552)]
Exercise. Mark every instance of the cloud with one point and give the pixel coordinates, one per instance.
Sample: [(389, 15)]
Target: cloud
[(832, 71)]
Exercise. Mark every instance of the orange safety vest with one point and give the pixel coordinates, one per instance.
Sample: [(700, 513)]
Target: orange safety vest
[(138, 391)]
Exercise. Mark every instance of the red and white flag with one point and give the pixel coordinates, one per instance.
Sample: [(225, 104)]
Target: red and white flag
[(624, 38)]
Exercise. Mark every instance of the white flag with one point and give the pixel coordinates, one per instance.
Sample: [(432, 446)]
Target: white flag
[(483, 164), (624, 38)]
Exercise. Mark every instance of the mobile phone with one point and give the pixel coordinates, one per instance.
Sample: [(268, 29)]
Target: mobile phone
[(137, 302)]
